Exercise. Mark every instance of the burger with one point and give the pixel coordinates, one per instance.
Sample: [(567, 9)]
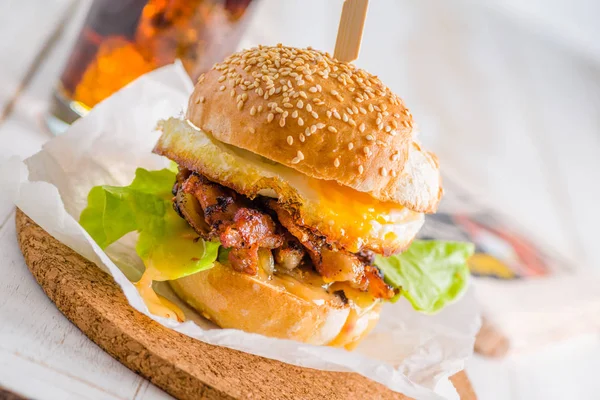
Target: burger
[(296, 191)]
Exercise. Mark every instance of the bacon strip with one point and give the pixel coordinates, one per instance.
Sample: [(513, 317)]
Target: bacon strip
[(336, 265), (241, 226), (237, 226)]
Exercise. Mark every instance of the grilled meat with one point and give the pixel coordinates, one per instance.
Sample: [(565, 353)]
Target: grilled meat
[(245, 226)]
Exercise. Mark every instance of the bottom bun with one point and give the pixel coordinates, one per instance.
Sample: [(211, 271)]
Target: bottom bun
[(280, 306)]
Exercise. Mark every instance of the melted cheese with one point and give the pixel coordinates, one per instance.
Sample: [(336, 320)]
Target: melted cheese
[(157, 305), (307, 285), (363, 317)]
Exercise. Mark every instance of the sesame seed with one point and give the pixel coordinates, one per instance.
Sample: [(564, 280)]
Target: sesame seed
[(383, 171), (370, 138), (313, 129), (350, 146), (252, 130), (240, 105), (332, 129), (336, 162), (282, 121), (315, 115), (301, 137), (299, 157), (290, 140), (345, 117), (367, 151), (308, 108), (300, 121), (321, 125), (260, 108), (378, 120), (222, 87), (270, 117), (360, 169), (275, 74), (393, 173)]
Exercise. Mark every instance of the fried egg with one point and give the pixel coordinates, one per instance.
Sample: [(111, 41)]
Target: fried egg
[(348, 218)]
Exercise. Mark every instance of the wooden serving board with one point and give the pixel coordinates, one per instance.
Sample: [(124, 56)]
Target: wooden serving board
[(184, 367)]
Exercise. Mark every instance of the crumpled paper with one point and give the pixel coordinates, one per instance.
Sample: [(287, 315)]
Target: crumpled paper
[(408, 352)]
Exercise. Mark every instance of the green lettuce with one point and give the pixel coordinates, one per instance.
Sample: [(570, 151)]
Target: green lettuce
[(430, 274), (166, 243)]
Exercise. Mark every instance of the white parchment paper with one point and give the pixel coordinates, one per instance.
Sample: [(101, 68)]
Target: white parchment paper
[(408, 352)]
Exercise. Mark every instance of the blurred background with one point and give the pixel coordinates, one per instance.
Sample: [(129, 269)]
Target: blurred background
[(507, 93)]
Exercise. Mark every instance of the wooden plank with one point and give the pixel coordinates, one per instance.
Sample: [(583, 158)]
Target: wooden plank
[(24, 127), (35, 380), (42, 354), (29, 25)]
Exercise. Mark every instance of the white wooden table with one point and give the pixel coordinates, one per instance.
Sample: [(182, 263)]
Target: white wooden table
[(510, 103)]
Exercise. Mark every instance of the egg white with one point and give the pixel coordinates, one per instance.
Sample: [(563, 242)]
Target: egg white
[(307, 198)]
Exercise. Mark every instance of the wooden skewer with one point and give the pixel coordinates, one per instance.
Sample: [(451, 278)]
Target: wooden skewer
[(350, 30)]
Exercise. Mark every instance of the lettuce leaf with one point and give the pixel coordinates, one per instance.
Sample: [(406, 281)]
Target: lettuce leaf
[(430, 274), (166, 243)]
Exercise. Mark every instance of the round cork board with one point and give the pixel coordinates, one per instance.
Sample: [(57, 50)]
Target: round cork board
[(184, 367)]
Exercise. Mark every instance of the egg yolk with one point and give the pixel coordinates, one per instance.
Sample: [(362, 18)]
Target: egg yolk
[(353, 210)]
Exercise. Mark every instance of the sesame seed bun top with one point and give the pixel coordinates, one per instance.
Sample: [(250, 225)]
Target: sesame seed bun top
[(325, 118)]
